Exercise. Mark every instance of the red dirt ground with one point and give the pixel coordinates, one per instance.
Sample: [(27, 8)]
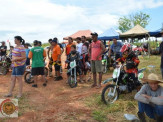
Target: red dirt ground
[(56, 102)]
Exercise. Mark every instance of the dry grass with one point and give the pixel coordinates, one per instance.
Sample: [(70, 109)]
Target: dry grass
[(125, 103)]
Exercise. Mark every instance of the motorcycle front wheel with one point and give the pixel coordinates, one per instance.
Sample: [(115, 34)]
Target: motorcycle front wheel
[(72, 82), (108, 95), (28, 78)]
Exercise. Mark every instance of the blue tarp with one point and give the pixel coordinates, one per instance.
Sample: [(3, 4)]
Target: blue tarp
[(155, 33), (109, 35)]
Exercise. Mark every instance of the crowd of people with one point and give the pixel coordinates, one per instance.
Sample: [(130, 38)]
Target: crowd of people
[(88, 56)]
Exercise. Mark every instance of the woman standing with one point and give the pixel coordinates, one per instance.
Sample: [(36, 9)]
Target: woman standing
[(18, 64)]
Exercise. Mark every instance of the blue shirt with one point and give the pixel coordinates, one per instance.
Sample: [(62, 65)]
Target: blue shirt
[(27, 52), (116, 47)]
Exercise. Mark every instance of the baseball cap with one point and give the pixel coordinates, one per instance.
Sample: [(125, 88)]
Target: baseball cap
[(55, 40), (94, 34)]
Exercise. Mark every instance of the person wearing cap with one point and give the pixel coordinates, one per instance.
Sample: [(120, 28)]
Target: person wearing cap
[(161, 52), (3, 49), (150, 99), (115, 48), (56, 56), (39, 43), (96, 50), (37, 54)]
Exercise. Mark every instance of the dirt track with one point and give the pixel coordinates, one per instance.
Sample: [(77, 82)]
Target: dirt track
[(56, 102)]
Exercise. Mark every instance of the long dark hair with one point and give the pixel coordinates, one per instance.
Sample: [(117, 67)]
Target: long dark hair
[(22, 41)]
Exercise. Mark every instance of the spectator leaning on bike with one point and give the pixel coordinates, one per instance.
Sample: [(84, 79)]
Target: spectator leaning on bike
[(56, 56), (115, 47), (18, 64), (161, 52), (96, 50), (150, 99), (37, 54), (132, 62), (3, 49)]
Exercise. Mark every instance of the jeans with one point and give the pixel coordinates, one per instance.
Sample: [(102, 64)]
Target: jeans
[(150, 110)]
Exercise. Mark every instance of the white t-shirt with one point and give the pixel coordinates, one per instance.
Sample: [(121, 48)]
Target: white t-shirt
[(79, 48)]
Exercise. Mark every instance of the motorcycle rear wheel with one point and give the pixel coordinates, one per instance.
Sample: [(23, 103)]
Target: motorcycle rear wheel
[(28, 78)]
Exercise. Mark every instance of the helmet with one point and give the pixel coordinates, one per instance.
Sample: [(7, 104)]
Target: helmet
[(126, 47)]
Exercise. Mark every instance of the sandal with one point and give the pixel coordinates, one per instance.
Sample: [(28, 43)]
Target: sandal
[(8, 95), (18, 97), (98, 87), (94, 85)]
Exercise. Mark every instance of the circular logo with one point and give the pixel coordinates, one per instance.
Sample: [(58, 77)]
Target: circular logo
[(8, 108)]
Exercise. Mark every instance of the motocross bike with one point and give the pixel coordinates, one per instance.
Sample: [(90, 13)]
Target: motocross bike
[(5, 64), (28, 78), (118, 84), (72, 79)]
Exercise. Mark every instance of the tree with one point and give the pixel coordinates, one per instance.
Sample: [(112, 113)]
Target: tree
[(128, 22)]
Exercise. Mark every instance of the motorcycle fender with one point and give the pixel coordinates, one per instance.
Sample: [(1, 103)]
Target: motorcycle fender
[(108, 80)]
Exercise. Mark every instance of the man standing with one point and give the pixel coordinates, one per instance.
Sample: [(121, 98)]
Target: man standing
[(96, 51), (37, 54), (68, 48), (161, 52), (3, 49), (116, 47), (150, 99), (56, 56), (79, 45)]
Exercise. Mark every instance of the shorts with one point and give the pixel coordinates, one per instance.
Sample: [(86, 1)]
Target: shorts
[(18, 71), (96, 66), (37, 71), (57, 67)]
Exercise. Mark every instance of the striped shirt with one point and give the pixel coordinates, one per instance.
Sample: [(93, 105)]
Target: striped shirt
[(17, 53)]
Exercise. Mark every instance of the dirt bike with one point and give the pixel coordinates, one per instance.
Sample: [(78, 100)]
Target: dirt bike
[(5, 64), (72, 79), (28, 78), (118, 84)]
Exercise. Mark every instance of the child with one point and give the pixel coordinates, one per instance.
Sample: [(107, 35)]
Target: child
[(74, 55)]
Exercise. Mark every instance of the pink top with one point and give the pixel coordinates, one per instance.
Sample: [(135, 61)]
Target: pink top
[(96, 50)]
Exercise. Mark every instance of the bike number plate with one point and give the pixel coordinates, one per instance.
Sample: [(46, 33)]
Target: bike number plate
[(73, 64), (116, 72), (140, 76)]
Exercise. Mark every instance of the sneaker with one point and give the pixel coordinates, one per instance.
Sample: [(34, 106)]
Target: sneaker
[(34, 85), (8, 95), (44, 84)]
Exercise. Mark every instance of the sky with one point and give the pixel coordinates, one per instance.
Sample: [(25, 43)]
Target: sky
[(44, 19)]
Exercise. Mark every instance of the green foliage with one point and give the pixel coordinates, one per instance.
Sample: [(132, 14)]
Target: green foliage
[(128, 22), (99, 116), (45, 45)]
